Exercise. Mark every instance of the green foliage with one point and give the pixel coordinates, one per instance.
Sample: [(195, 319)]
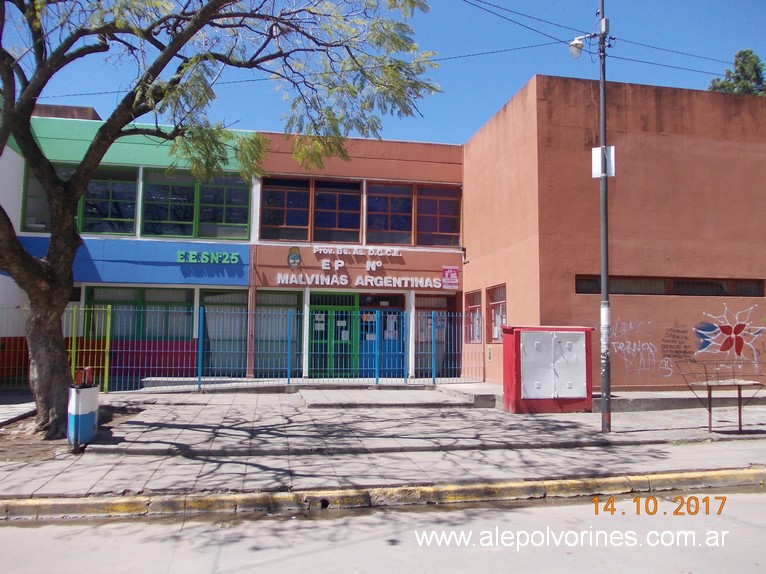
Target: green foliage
[(746, 78), (343, 65)]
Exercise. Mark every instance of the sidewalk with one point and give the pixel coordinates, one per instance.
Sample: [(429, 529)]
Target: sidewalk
[(349, 447)]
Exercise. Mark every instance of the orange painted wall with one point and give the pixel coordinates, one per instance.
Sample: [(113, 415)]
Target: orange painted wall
[(687, 201), (376, 159), (500, 215)]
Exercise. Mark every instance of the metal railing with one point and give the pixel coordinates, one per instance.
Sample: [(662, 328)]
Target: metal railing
[(130, 348)]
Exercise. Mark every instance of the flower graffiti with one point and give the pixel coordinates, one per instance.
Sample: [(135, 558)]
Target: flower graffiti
[(731, 334)]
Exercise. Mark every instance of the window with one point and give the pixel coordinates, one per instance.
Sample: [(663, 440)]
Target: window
[(169, 205), (438, 221), (37, 215), (496, 313), (324, 210), (337, 208), (224, 208), (389, 214), (285, 209), (109, 203), (161, 314), (168, 313), (177, 205), (591, 284), (473, 317)]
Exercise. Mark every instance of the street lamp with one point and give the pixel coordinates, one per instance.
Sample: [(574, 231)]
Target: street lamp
[(604, 167)]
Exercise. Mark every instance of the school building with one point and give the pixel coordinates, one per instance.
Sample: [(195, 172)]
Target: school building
[(403, 263)]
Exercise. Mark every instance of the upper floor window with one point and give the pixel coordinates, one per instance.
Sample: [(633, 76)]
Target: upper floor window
[(168, 205), (337, 209), (177, 205), (438, 220), (173, 205), (395, 213), (224, 208), (109, 204), (285, 209), (389, 214)]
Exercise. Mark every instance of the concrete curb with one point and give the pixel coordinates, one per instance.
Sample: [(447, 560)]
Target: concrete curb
[(17, 417), (236, 451), (402, 405), (240, 503)]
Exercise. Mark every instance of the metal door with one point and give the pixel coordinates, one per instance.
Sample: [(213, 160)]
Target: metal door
[(333, 345), (381, 343)]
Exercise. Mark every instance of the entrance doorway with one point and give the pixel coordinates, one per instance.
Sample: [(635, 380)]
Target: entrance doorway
[(382, 327), (334, 327)]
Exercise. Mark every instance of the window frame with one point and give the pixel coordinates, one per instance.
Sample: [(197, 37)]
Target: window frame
[(385, 190), (442, 195), (496, 312), (185, 180), (279, 185), (136, 308), (473, 318), (82, 207), (336, 234), (675, 286)]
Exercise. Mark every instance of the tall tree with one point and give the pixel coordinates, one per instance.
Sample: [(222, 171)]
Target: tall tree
[(746, 78), (345, 64)]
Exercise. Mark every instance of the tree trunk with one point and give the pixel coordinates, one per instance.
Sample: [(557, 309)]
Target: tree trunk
[(49, 372)]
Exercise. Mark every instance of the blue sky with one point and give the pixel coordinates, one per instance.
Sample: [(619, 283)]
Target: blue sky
[(488, 50)]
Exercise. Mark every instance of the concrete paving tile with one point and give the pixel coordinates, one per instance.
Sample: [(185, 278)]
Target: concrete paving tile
[(222, 474), (266, 473), (32, 476), (8, 467), (80, 477), (175, 473), (130, 474), (312, 471), (357, 471), (399, 467), (440, 466)]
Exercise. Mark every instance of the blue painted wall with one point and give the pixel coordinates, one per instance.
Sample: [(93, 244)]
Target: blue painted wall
[(111, 260)]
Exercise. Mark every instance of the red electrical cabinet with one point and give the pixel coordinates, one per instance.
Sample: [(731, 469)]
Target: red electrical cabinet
[(547, 369)]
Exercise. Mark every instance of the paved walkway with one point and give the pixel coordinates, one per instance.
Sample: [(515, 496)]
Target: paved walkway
[(179, 444)]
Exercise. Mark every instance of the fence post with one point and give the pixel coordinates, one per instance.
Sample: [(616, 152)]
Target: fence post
[(72, 337), (290, 313), (433, 346), (378, 345), (107, 346), (200, 346), (405, 345)]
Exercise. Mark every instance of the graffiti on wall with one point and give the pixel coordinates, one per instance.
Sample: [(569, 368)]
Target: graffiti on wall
[(633, 346), (645, 349), (730, 334)]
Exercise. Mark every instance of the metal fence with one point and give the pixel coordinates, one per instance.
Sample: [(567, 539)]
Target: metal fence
[(130, 348)]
